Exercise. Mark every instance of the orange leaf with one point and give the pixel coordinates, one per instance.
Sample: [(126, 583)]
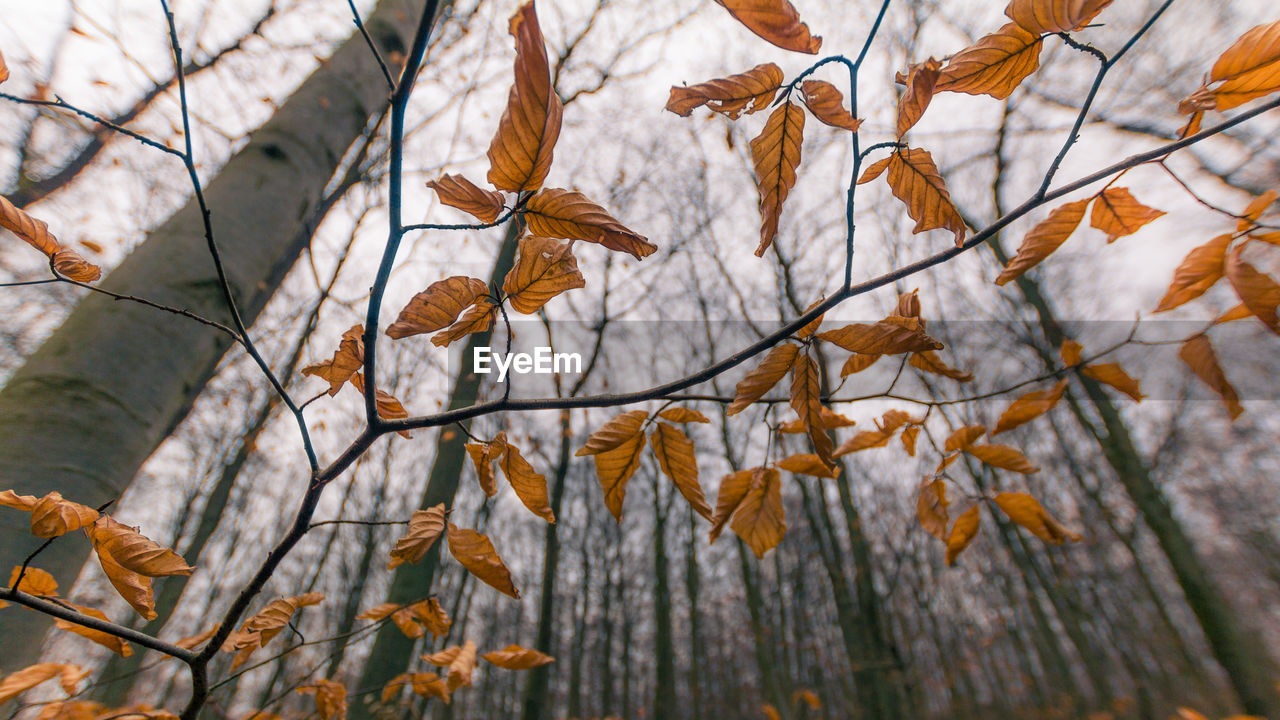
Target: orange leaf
[(921, 79), (1003, 457), (29, 677), (806, 387), (69, 263), (617, 448), (570, 215), (760, 380), (478, 318), (747, 92), (34, 232), (963, 531), (1043, 239), (929, 361), (1115, 376), (857, 362), (915, 181), (514, 657), (520, 154), (1118, 213), (775, 153), (1257, 290), (808, 464), (830, 420), (776, 21), (1027, 512), (1200, 270), (107, 640), (760, 520), (52, 516), (34, 582), (425, 527), (1198, 354), (881, 338), (459, 192), (931, 508), (616, 432), (389, 408), (1248, 69), (544, 269), (827, 104), (733, 488), (529, 485), (438, 306), (1029, 407), (863, 440), (1054, 16), (477, 555), (1254, 210), (678, 461), (964, 437), (683, 415), (874, 170), (331, 698), (995, 65), (4, 69), (482, 456), (346, 360), (134, 551)]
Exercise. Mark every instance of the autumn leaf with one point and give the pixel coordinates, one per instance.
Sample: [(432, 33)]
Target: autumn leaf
[(827, 104), (23, 680), (570, 215), (432, 616), (863, 440), (676, 457), (4, 69), (881, 338), (34, 582), (808, 697), (1029, 407), (617, 449), (459, 192), (857, 362), (482, 457), (1198, 354), (776, 364), (135, 552), (931, 508), (747, 92), (963, 531), (759, 520), (520, 153), (477, 555), (191, 642), (683, 415), (874, 170), (331, 698), (514, 657), (462, 666), (438, 306), (915, 181), (70, 264), (908, 439), (263, 626), (403, 617), (964, 437), (1027, 512), (387, 406), (1255, 209), (1200, 270), (806, 400), (1054, 16), (107, 640), (529, 486), (929, 361), (1248, 69), (1256, 290), (830, 420), (346, 360), (995, 65), (614, 433), (921, 79), (425, 527), (1003, 457), (1115, 376), (1118, 213), (775, 155), (770, 712), (477, 318), (1046, 237), (34, 232), (776, 21), (808, 464), (544, 269), (733, 488)]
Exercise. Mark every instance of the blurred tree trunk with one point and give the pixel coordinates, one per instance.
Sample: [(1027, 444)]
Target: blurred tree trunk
[(697, 644), (664, 691), (92, 403)]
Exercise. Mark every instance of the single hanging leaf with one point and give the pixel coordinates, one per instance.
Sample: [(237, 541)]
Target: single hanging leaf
[(514, 657), (615, 467), (520, 153), (570, 215), (1115, 376), (388, 407), (830, 420), (963, 532), (1054, 16), (964, 437), (915, 181), (880, 338), (808, 464), (931, 508), (733, 488), (425, 527), (477, 555), (1256, 290), (34, 582), (53, 516), (133, 587), (995, 65), (929, 361), (191, 642), (812, 326), (459, 192), (482, 457), (477, 318), (1198, 354), (616, 432), (1027, 512), (106, 640), (760, 520), (776, 21), (34, 232), (908, 438), (403, 617), (857, 362), (874, 170), (1256, 207), (331, 698), (528, 485), (683, 415), (25, 503), (806, 387), (863, 440), (827, 104), (1248, 69), (1044, 238), (259, 630), (1200, 270), (1118, 213), (921, 79), (775, 153), (23, 680), (432, 616), (544, 269), (760, 380), (70, 264), (346, 360), (747, 92), (463, 665), (1003, 457), (676, 458), (135, 552), (1029, 407), (438, 306)]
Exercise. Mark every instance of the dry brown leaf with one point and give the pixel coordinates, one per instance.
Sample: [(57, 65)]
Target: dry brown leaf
[(477, 555), (477, 318), (931, 508), (1027, 512), (331, 698), (963, 531), (528, 485), (747, 92), (438, 306), (1248, 69), (1255, 289), (52, 516), (915, 180), (964, 437), (34, 582), (857, 362), (34, 232), (459, 192), (929, 361), (134, 551), (806, 400), (1198, 354), (614, 433), (23, 680), (570, 215), (133, 587), (107, 640), (995, 65), (1118, 213), (69, 263), (388, 407), (733, 488), (432, 616), (544, 269), (678, 461), (880, 338), (463, 665), (763, 377), (520, 153), (346, 360), (683, 415), (760, 520), (776, 21), (1054, 16), (1256, 207), (425, 527), (514, 657), (775, 155), (921, 79), (908, 437), (1029, 407), (482, 457), (827, 104), (1044, 238), (808, 464), (1200, 270), (1115, 376), (1003, 457), (830, 420)]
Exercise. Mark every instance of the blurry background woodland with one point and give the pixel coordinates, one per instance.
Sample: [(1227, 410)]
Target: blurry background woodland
[(1170, 599)]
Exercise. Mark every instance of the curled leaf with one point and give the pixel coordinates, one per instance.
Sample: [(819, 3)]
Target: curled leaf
[(760, 380), (478, 318), (459, 192), (529, 485), (827, 104), (1054, 16), (570, 215), (931, 508), (775, 153), (776, 21), (915, 181), (134, 551), (34, 232), (425, 527), (544, 269), (921, 79), (759, 519), (747, 92), (514, 657), (963, 531), (52, 516), (346, 360), (438, 306), (477, 555), (521, 151), (733, 488), (69, 263)]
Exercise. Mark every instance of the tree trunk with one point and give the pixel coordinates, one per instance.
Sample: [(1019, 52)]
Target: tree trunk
[(664, 690), (93, 402)]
